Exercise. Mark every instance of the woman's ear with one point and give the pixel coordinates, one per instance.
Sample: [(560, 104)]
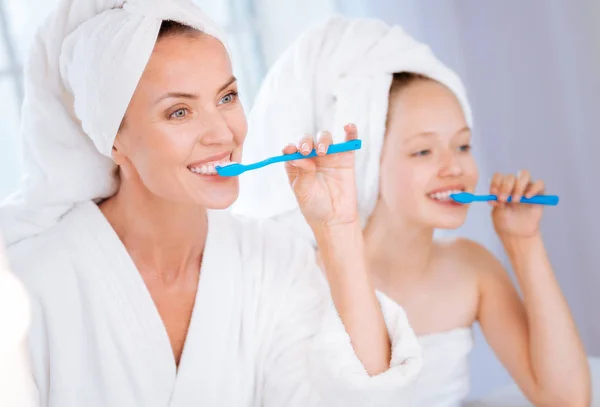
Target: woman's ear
[(120, 157), (117, 150), (117, 145)]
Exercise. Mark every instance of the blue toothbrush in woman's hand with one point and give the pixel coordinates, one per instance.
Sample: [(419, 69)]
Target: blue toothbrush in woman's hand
[(466, 197), (234, 169)]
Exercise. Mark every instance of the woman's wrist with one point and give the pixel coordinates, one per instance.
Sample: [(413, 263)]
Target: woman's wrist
[(341, 247), (330, 232), (339, 237)]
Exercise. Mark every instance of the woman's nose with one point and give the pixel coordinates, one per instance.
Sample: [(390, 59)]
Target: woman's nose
[(215, 129)]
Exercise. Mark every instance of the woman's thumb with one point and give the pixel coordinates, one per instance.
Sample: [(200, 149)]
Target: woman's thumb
[(302, 176)]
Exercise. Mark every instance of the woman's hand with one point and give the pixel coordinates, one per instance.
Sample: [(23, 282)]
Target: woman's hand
[(326, 192), (325, 186)]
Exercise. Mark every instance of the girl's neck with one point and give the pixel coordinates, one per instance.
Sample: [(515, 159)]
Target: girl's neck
[(397, 250)]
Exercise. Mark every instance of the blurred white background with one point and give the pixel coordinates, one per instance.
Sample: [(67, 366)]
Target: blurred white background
[(532, 69)]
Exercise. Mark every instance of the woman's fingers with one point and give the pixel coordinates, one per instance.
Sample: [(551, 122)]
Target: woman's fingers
[(351, 132), (305, 146), (324, 140), (290, 149), (295, 168)]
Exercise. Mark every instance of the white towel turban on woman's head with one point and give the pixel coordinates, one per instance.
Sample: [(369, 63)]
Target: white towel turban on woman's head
[(336, 73), (83, 68)]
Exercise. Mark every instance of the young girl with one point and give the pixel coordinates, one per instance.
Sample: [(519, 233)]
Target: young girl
[(444, 286)]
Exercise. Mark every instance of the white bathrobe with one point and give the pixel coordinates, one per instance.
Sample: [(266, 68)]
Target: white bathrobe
[(16, 382), (263, 332)]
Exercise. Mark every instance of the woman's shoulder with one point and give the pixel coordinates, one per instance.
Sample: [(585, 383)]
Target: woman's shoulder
[(275, 255), (273, 245), (270, 233), (36, 261), (43, 255)]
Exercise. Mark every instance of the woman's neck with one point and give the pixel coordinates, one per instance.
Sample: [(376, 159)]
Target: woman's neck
[(165, 239), (398, 250)]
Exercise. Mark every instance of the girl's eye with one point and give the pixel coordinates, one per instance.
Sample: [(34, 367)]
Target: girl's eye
[(422, 153), (465, 149)]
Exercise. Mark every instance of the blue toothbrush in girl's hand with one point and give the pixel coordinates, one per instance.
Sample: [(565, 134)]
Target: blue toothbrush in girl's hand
[(466, 197), (234, 169)]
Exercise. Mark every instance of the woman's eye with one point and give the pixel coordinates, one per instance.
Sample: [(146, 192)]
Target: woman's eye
[(465, 149), (422, 153), (179, 113), (230, 97)]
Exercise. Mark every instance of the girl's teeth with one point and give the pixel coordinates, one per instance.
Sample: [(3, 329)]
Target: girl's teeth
[(443, 196)]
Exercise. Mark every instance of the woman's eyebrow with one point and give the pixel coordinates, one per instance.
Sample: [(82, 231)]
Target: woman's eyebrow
[(185, 95), (178, 95), (229, 82)]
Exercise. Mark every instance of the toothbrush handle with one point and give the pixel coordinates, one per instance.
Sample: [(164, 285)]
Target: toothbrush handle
[(539, 200), (333, 149), (344, 147)]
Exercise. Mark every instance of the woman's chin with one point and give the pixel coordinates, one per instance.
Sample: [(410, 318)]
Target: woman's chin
[(218, 205), (216, 192), (219, 200)]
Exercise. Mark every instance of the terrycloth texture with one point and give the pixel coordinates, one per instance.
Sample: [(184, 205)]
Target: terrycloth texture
[(263, 332), (444, 380), (334, 74), (17, 387), (14, 307), (83, 67)]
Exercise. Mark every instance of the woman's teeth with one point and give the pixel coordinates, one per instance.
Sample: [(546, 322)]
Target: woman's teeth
[(444, 195), (209, 168)]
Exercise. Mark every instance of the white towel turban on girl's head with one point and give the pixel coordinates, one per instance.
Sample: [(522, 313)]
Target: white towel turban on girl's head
[(334, 74), (83, 67)]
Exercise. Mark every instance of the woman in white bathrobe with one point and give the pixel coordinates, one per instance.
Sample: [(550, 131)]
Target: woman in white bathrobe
[(415, 122), (145, 293)]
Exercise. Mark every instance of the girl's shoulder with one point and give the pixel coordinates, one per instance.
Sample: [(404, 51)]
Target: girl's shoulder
[(467, 255)]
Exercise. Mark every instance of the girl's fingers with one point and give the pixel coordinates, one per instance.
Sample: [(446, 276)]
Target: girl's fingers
[(506, 187), (535, 188), (521, 183), (496, 183)]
